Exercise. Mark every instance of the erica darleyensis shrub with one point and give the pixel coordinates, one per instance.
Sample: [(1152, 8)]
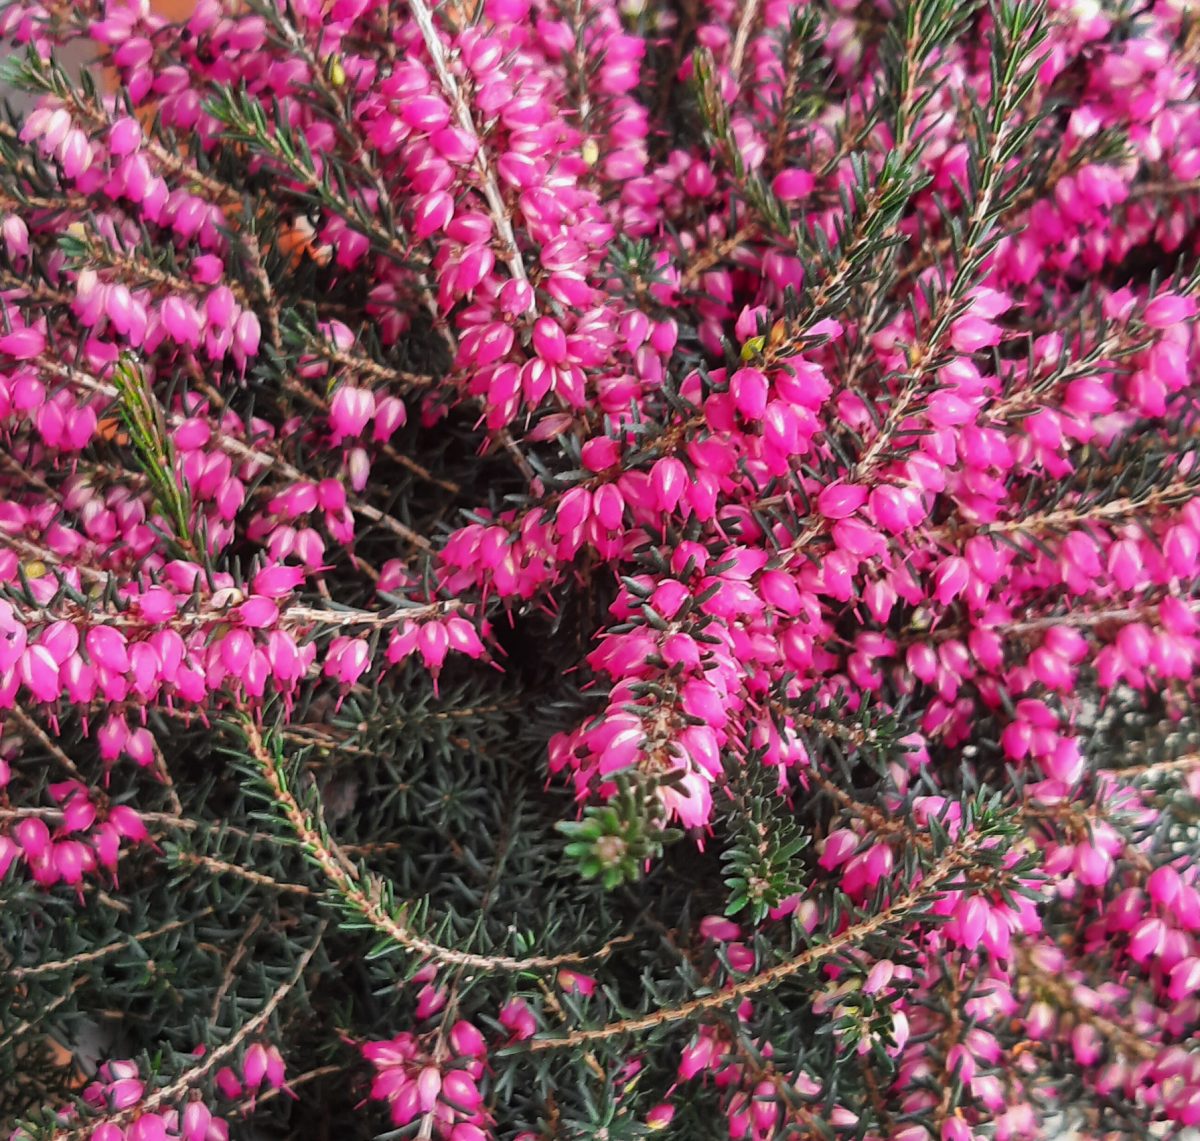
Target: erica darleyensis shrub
[(573, 568)]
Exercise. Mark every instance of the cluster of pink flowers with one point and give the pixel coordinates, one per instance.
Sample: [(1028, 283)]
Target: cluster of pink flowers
[(416, 1084), (137, 1112), (88, 836), (961, 483)]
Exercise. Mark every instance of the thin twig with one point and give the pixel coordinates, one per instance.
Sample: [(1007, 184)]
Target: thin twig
[(297, 617), (900, 910), (223, 867), (742, 38), (170, 1093), (239, 952), (365, 893), (49, 1008), (47, 742), (1121, 1037), (462, 111), (1183, 764), (75, 961)]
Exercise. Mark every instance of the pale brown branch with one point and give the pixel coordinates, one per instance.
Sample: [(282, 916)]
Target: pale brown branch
[(1184, 764), (75, 961), (900, 910), (462, 112), (1049, 983), (297, 616), (366, 893), (46, 741), (170, 1093), (223, 867), (239, 952), (742, 38), (49, 1008)]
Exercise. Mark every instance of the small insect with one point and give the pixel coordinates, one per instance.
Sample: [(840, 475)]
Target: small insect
[(461, 13), (297, 239), (111, 430)]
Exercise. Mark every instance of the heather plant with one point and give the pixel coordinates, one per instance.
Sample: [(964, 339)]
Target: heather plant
[(573, 568)]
